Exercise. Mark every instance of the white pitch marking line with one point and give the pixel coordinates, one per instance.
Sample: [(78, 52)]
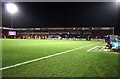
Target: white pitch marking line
[(30, 61), (92, 48)]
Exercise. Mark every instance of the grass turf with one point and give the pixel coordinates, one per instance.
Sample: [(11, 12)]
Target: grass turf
[(78, 63)]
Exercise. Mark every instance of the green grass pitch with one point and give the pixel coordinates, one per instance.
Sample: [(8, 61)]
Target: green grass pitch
[(78, 63)]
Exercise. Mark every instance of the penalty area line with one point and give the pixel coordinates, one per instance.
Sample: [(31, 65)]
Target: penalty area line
[(49, 56), (92, 48)]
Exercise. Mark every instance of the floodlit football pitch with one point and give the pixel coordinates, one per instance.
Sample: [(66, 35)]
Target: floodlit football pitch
[(56, 58)]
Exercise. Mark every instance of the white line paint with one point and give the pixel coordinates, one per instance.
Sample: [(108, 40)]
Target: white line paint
[(92, 48), (30, 61)]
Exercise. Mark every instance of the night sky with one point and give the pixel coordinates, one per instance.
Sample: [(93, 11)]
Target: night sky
[(63, 14)]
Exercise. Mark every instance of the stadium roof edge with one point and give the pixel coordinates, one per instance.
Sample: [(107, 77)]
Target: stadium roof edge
[(61, 28)]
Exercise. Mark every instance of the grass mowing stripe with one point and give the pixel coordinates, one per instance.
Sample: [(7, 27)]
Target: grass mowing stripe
[(43, 57)]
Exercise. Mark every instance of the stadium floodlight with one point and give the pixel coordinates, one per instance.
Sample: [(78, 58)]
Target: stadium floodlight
[(11, 8), (118, 1)]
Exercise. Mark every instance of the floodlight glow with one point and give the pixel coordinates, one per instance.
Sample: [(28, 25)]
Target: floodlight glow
[(12, 8), (118, 1)]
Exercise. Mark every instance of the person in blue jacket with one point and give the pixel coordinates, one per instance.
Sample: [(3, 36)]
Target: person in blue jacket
[(115, 44)]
